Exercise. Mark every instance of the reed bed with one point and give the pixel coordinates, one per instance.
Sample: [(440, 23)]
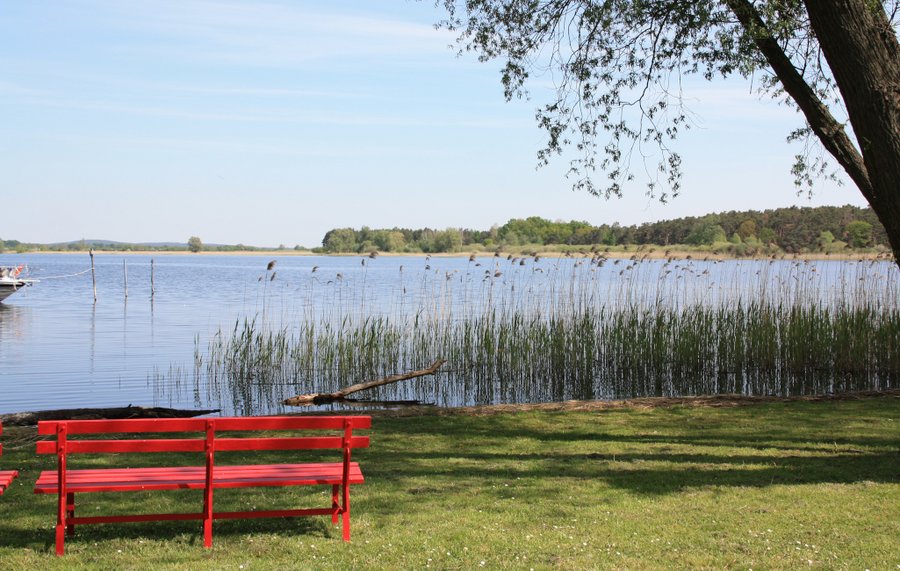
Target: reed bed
[(532, 330)]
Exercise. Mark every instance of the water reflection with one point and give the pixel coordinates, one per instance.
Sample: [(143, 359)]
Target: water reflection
[(14, 323)]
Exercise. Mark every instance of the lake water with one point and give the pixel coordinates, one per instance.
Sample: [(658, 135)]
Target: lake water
[(60, 349)]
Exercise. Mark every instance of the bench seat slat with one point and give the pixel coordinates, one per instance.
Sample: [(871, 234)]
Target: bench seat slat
[(6, 477), (193, 477)]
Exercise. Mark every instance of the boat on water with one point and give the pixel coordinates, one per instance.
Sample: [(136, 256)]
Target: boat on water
[(10, 282)]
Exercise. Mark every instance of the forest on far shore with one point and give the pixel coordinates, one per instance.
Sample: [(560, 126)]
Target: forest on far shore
[(819, 230), (794, 230)]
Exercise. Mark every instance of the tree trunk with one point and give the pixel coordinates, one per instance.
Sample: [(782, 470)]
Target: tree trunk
[(863, 53)]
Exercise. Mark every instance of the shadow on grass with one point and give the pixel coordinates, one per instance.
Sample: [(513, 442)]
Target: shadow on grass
[(649, 474), (42, 538), (666, 452)]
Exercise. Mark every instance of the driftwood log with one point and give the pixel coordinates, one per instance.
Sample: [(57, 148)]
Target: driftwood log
[(325, 398), (384, 403), (115, 413)]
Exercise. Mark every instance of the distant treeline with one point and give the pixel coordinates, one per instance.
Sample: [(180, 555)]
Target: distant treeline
[(86, 245), (830, 229), (792, 230)]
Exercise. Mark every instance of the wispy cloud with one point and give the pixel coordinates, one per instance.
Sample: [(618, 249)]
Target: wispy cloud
[(17, 89), (268, 34), (270, 148), (35, 72), (272, 115)]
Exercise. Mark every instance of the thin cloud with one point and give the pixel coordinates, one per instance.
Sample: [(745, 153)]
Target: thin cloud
[(17, 89), (287, 148), (268, 34), (280, 116)]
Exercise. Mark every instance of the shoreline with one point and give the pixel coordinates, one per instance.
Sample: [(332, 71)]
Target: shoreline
[(653, 253), (595, 406), (638, 403)]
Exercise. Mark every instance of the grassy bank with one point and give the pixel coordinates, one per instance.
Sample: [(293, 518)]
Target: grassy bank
[(776, 485)]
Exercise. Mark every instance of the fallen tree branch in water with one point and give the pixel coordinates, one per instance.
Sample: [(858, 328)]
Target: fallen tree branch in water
[(384, 403), (325, 398), (115, 413)]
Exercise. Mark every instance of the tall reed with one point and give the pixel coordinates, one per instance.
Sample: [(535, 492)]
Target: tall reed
[(562, 329)]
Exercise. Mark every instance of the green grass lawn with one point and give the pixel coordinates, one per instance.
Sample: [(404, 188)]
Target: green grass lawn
[(769, 486)]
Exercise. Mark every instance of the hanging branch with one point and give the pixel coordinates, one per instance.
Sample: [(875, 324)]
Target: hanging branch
[(325, 398)]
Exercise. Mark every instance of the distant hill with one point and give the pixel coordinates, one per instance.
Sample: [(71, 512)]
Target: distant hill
[(92, 242), (115, 245)]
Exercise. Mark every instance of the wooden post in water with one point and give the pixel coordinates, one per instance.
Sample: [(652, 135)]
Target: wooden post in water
[(125, 276), (93, 274), (152, 288)]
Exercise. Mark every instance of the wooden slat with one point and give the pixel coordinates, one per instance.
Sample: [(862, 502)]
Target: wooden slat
[(48, 427), (299, 443), (291, 422), (272, 513), (284, 475), (46, 447), (198, 516), (6, 478), (193, 477), (134, 518), (122, 446), (196, 445), (123, 479)]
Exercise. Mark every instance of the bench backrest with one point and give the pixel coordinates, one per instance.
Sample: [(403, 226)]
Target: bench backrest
[(207, 440)]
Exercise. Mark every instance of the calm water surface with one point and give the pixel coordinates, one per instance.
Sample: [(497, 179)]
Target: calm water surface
[(60, 349)]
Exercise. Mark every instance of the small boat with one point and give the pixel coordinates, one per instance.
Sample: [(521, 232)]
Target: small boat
[(10, 282)]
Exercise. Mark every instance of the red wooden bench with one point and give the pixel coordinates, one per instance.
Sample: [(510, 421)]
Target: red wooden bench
[(80, 436), (6, 476)]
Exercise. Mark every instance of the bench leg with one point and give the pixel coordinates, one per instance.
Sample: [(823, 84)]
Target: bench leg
[(70, 513), (62, 509), (335, 506), (207, 517), (60, 540), (346, 513), (207, 529), (61, 533)]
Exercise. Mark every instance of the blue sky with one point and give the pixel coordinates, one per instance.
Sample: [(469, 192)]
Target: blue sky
[(270, 123)]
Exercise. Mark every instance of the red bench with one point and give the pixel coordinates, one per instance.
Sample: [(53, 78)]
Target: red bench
[(6, 476), (80, 436)]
